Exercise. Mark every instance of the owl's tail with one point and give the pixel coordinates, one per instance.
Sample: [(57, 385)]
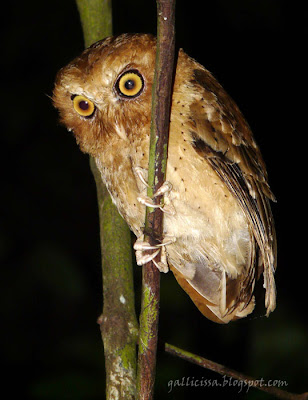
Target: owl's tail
[(212, 311)]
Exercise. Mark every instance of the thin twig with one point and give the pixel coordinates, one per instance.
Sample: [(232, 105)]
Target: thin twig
[(245, 380), (161, 102)]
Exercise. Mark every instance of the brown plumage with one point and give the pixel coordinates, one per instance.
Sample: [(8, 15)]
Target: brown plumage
[(222, 224)]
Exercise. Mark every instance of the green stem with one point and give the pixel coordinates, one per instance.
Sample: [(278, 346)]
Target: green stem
[(118, 323), (96, 19)]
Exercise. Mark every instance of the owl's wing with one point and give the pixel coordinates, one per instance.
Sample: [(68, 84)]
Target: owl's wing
[(222, 136)]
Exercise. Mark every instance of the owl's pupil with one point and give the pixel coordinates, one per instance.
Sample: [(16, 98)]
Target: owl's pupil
[(83, 105), (129, 84)]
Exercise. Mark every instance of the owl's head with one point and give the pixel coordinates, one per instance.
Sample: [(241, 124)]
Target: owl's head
[(106, 91)]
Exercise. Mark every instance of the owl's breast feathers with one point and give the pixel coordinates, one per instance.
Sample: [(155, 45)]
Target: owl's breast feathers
[(224, 230)]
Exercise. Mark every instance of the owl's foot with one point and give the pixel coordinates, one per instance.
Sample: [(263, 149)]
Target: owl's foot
[(147, 201), (165, 189), (140, 246)]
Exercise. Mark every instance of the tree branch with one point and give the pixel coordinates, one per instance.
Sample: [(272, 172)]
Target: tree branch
[(222, 370), (118, 321), (161, 103), (96, 19)]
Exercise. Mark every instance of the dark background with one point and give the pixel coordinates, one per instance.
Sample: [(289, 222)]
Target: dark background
[(49, 239)]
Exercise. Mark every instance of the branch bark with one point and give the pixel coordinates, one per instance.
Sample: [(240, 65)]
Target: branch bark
[(161, 104), (118, 323)]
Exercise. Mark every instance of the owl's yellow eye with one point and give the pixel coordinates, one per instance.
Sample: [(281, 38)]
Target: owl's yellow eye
[(83, 106), (130, 84)]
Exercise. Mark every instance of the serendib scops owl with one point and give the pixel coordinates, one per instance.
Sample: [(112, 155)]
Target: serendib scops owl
[(222, 226)]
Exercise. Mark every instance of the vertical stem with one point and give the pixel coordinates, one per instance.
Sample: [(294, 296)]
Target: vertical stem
[(161, 104), (96, 19), (118, 321)]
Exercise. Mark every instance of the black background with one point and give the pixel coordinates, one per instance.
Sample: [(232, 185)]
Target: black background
[(49, 239)]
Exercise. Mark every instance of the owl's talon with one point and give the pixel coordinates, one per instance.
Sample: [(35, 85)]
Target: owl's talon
[(144, 259), (140, 173), (165, 188), (168, 209), (161, 266), (140, 245), (147, 201)]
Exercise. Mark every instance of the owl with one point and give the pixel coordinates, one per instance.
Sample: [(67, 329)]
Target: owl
[(218, 217)]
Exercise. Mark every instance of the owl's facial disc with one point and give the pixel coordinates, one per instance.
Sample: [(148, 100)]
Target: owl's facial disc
[(129, 84), (83, 106)]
